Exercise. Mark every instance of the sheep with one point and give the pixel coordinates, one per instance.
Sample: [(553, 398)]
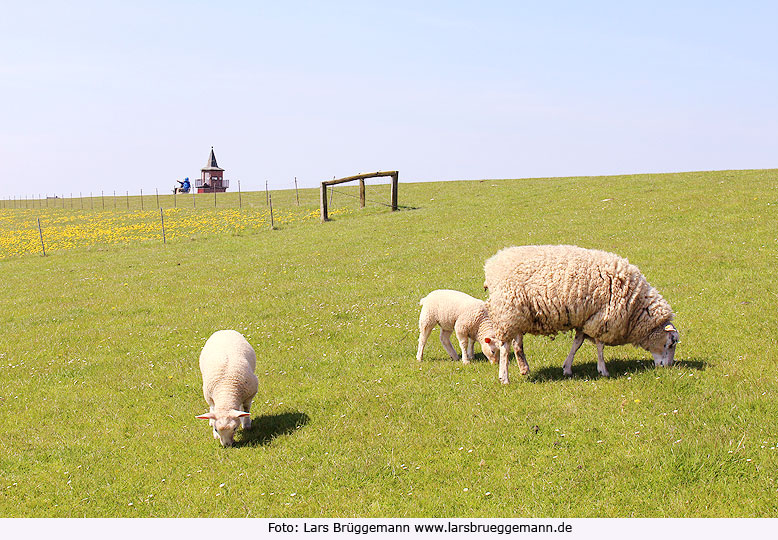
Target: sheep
[(227, 364), (544, 290), (461, 313)]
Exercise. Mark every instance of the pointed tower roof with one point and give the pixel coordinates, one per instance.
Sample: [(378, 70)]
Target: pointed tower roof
[(211, 164)]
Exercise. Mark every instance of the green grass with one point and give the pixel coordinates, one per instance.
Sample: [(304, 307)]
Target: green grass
[(99, 383)]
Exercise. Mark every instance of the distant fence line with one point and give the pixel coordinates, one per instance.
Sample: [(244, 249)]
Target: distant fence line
[(103, 201), (49, 231)]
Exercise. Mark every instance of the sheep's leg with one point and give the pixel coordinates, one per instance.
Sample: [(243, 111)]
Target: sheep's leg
[(445, 339), (245, 421), (466, 345), (471, 348), (567, 368), (424, 334), (601, 359), (504, 352), (518, 350)]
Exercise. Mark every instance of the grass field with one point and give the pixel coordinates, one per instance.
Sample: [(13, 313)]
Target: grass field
[(99, 383)]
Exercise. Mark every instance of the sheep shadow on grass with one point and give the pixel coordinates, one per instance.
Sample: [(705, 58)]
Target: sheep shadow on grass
[(617, 367), (270, 426)]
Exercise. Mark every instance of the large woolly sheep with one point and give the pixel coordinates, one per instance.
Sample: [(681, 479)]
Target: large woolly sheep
[(543, 290), (466, 316), (227, 364)]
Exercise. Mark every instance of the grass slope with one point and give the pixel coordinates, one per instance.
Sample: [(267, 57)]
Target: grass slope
[(99, 382)]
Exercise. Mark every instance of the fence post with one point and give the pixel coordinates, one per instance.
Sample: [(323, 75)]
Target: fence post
[(297, 193), (323, 202), (240, 200), (127, 196), (141, 199), (270, 201), (91, 201), (162, 218), (361, 192), (395, 179), (40, 232), (102, 198), (157, 192)]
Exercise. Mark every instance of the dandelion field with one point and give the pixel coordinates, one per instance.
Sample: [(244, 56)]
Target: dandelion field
[(99, 383), (74, 223)]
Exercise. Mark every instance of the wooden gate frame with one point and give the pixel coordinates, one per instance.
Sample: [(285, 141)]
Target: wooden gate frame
[(361, 177)]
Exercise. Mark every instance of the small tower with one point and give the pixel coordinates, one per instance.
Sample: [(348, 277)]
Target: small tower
[(211, 177)]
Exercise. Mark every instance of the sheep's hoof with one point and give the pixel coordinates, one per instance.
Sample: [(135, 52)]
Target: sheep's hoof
[(524, 370), (605, 373), (504, 380), (465, 361), (568, 373)]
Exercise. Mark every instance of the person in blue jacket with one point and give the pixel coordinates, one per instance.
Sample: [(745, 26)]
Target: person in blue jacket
[(185, 185)]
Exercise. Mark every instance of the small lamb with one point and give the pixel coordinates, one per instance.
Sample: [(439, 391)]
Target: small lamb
[(461, 313), (227, 364)]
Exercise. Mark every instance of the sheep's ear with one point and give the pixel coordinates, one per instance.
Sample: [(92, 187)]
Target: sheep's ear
[(206, 416), (670, 328), (235, 413)]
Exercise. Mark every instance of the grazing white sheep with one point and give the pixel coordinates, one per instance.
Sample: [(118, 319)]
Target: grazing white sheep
[(543, 290), (227, 364), (464, 315)]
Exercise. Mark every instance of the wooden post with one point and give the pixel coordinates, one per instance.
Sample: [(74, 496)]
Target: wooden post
[(91, 201), (102, 198), (141, 199), (240, 200), (361, 192), (156, 190), (128, 200), (323, 202), (162, 218), (272, 223), (267, 194), (395, 179), (174, 198), (297, 193), (40, 232)]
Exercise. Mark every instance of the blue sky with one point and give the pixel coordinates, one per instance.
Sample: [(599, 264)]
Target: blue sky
[(110, 95)]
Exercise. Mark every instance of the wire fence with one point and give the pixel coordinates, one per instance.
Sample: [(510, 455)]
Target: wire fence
[(47, 224)]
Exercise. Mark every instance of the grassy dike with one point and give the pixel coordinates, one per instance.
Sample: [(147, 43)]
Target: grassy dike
[(99, 383)]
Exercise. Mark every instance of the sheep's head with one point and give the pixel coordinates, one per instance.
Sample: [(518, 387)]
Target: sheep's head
[(491, 349), (661, 343), (224, 425)]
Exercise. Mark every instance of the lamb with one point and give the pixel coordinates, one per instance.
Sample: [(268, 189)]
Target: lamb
[(544, 290), (461, 313), (227, 364)]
